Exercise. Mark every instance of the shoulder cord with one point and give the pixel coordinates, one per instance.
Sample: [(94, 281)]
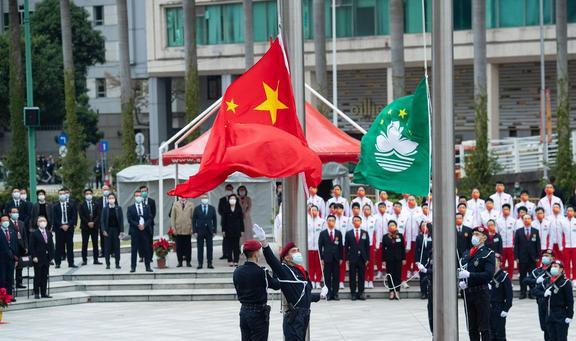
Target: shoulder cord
[(295, 281)]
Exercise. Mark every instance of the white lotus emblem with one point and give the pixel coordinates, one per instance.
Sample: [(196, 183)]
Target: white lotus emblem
[(394, 149)]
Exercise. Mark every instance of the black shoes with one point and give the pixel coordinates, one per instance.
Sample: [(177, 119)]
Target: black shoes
[(188, 264), (199, 267), (223, 257), (132, 270), (46, 296), (522, 296), (118, 266), (149, 270), (361, 297), (108, 267), (72, 266), (57, 266), (179, 265), (97, 263), (37, 296), (210, 266), (20, 286), (84, 263)]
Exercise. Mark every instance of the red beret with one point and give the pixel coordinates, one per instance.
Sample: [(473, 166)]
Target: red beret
[(251, 245), (286, 249), (482, 230)]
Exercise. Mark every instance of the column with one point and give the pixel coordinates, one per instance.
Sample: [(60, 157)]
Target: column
[(493, 91), (157, 105), (389, 85), (225, 82)]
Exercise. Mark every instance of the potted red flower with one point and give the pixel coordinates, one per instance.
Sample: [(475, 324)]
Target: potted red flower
[(161, 248), (172, 237), (5, 300)]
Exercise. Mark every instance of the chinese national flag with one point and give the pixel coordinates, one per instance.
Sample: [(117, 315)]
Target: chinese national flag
[(256, 131)]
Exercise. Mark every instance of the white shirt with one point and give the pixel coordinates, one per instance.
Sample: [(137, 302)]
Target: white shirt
[(339, 200), (506, 227), (475, 208), (543, 228), (530, 206), (369, 225), (570, 233), (381, 226), (278, 227), (315, 226), (468, 220), (342, 224), (426, 218), (557, 225), (501, 199), (389, 206), (317, 201), (487, 215), (546, 203), (412, 224), (364, 201)]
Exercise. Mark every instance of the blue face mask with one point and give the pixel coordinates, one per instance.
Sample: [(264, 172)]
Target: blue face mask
[(475, 240), (5, 224), (546, 260), (297, 258), (138, 199), (14, 216), (144, 195), (62, 197), (554, 271)]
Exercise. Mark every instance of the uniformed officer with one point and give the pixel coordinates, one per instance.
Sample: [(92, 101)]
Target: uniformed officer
[(295, 285), (476, 271), (427, 271), (534, 279), (500, 301), (423, 255), (560, 302), (252, 282)]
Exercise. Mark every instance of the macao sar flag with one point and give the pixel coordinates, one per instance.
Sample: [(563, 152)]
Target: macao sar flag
[(395, 153)]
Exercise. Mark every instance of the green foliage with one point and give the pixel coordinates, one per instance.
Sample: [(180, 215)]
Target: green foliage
[(88, 120), (128, 142), (191, 101), (564, 170)]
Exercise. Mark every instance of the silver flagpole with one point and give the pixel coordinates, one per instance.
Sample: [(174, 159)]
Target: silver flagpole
[(444, 255)]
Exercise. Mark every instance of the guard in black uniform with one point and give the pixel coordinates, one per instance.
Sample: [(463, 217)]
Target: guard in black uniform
[(252, 282), (500, 302), (534, 279), (423, 254), (295, 285), (476, 271), (427, 271)]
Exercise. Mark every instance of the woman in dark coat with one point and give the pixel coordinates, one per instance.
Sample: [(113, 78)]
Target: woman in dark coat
[(394, 256), (112, 225), (233, 228)]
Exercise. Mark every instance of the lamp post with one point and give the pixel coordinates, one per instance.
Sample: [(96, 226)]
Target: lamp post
[(31, 122)]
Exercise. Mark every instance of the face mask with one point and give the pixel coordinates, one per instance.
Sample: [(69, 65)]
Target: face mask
[(41, 197), (42, 224), (228, 192), (242, 193), (23, 196), (144, 195), (475, 240), (5, 224), (111, 202), (62, 197), (297, 258), (88, 197), (106, 193), (14, 216), (204, 201), (546, 260), (555, 271), (232, 201), (16, 195), (138, 199)]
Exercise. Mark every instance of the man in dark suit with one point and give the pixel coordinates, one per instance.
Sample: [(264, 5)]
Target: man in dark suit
[(526, 251), (9, 251), (357, 254), (151, 203), (89, 225), (103, 202), (204, 225), (222, 204), (41, 208), (22, 234), (463, 236), (42, 253), (18, 202), (65, 218), (140, 229), (330, 246)]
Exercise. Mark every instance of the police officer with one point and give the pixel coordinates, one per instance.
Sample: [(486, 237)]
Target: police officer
[(534, 279), (500, 301), (424, 255), (295, 285), (252, 282), (426, 272), (560, 301), (476, 271)]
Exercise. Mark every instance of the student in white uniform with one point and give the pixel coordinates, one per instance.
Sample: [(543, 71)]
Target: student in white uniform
[(315, 226), (570, 247), (543, 226), (558, 223), (381, 217), (549, 200), (476, 206), (383, 196), (467, 219), (426, 213), (338, 198), (491, 213), (530, 206), (521, 212), (316, 200), (369, 225), (500, 197), (362, 199), (506, 227), (413, 213)]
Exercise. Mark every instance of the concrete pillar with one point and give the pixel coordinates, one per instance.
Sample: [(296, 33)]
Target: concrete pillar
[(225, 83), (389, 85), (493, 91), (157, 106)]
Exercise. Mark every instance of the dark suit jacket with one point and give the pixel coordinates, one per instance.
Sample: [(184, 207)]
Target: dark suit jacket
[(85, 216), (104, 218), (463, 240), (357, 251), (133, 220), (57, 215), (422, 253), (233, 222), (24, 209), (393, 247), (8, 250), (222, 203), (23, 240), (495, 243), (204, 224), (44, 251), (526, 250), (151, 203), (330, 251), (36, 212)]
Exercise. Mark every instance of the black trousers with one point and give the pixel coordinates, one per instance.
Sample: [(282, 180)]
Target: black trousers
[(112, 246), (497, 323), (225, 247), (424, 284), (542, 311), (478, 304), (357, 270), (101, 243), (184, 248), (233, 249), (430, 307), (18, 270), (295, 324), (525, 269), (7, 276), (87, 234), (201, 239), (65, 245), (150, 251), (254, 324), (558, 330), (41, 278), (139, 245), (394, 268), (331, 278)]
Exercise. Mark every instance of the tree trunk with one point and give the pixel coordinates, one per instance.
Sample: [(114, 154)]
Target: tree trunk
[(191, 78), (75, 167), (248, 34), (564, 172), (126, 93), (320, 74), (17, 161), (396, 9)]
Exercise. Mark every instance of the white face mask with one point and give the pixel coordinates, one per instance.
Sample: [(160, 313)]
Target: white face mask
[(41, 198), (16, 195), (204, 201), (23, 196), (232, 201), (42, 224), (297, 258), (475, 240), (88, 197)]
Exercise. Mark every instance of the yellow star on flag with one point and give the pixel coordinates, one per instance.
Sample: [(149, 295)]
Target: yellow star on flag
[(272, 103), (381, 121), (402, 113), (231, 106)]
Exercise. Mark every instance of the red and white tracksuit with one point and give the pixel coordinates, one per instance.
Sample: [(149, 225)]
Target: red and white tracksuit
[(317, 201), (315, 226), (558, 223), (381, 227), (369, 224), (570, 249), (410, 233), (506, 227)]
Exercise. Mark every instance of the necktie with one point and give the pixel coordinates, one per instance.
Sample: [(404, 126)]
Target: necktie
[(90, 208), (331, 235), (357, 236), (45, 236), (204, 207), (7, 235), (527, 233), (139, 210), (64, 215), (17, 203)]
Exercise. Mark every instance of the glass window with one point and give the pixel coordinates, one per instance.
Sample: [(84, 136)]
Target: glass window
[(365, 18), (214, 87), (344, 22), (511, 13), (100, 87), (265, 20), (571, 5), (98, 15), (533, 12), (413, 16), (383, 17), (6, 21), (174, 26), (463, 14)]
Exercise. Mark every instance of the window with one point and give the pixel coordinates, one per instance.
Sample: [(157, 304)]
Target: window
[(463, 14), (6, 22), (174, 26), (100, 87), (413, 16), (365, 18), (265, 20), (98, 15), (214, 87)]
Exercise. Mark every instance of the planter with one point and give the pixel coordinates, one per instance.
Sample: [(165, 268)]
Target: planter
[(161, 263)]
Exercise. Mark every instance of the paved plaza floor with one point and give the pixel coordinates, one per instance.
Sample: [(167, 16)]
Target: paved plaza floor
[(345, 320)]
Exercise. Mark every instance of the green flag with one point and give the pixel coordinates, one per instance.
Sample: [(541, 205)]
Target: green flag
[(395, 153)]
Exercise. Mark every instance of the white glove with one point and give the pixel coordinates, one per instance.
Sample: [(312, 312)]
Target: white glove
[(463, 274), (539, 279), (504, 314), (259, 233), (547, 293), (462, 285), (421, 267), (489, 286), (568, 320), (324, 292)]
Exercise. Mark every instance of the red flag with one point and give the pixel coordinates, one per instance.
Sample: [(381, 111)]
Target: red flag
[(263, 96)]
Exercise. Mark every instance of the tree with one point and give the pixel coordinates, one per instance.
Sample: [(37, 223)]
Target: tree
[(397, 47), (191, 78), (564, 165), (319, 12), (248, 35), (75, 167), (17, 161), (126, 94)]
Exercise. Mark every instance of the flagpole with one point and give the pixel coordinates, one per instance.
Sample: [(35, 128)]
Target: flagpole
[(445, 304), (294, 200)]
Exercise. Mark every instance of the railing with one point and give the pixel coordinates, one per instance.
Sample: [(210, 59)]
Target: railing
[(515, 155)]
